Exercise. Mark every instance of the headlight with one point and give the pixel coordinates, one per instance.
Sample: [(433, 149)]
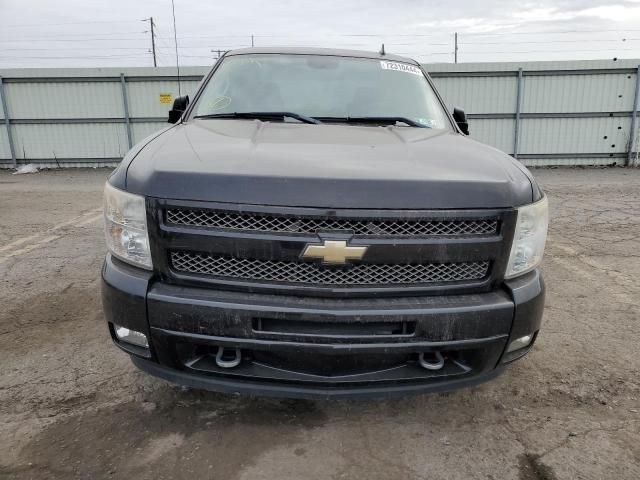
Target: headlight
[(125, 224), (529, 238)]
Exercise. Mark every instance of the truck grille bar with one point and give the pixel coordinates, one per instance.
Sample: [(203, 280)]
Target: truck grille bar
[(245, 269), (310, 225)]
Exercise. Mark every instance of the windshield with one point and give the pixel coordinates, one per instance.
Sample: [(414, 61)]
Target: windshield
[(321, 87)]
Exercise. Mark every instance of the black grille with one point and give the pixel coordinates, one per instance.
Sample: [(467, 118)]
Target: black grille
[(311, 225), (312, 273)]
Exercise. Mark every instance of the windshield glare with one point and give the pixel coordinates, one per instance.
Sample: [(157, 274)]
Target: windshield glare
[(321, 87)]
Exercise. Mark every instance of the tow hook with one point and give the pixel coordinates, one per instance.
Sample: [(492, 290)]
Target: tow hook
[(437, 365), (228, 357)]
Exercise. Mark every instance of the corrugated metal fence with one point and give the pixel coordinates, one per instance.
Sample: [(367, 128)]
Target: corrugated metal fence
[(543, 113), (549, 113)]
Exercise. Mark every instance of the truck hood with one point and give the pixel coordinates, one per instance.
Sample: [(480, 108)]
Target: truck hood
[(329, 166)]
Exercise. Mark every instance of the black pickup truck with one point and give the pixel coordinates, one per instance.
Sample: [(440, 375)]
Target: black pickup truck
[(316, 224)]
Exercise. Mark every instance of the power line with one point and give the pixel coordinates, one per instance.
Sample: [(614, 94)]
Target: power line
[(76, 57), (208, 47), (319, 36), (70, 48), (26, 25), (405, 35), (238, 45), (550, 32), (421, 54), (162, 45), (76, 40), (374, 35), (555, 41), (92, 34), (556, 51), (93, 37)]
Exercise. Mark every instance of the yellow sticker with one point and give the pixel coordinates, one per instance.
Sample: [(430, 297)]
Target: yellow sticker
[(165, 98)]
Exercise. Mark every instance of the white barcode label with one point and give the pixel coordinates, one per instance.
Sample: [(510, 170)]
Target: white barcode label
[(400, 67)]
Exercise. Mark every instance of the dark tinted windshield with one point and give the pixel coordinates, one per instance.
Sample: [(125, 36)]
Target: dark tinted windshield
[(320, 87)]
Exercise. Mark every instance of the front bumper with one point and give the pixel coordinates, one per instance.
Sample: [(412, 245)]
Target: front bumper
[(318, 347)]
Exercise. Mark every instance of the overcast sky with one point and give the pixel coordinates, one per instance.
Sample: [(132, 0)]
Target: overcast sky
[(81, 33)]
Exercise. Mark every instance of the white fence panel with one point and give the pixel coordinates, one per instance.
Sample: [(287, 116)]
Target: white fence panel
[(608, 135), (479, 94), (48, 142), (64, 99), (578, 93), (498, 133)]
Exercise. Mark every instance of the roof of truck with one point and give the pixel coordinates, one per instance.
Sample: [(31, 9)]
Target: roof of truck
[(335, 52)]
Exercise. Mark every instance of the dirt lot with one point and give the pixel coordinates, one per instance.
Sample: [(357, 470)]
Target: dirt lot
[(73, 406)]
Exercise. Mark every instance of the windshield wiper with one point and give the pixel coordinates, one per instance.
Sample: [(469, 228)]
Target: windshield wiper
[(259, 115), (383, 120)]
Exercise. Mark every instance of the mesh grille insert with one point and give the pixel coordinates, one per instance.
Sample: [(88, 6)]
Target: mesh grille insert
[(310, 225), (313, 273)]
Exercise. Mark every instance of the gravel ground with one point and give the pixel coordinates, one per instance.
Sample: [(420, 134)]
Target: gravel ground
[(73, 406)]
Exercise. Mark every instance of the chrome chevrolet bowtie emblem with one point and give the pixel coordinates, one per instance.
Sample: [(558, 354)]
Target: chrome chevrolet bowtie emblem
[(333, 251)]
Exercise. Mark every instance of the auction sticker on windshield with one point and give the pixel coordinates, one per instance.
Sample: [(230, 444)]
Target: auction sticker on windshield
[(400, 67)]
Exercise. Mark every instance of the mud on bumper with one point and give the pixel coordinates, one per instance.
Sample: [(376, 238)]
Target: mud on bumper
[(319, 347)]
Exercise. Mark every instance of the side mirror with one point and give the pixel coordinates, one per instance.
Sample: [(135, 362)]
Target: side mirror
[(179, 106), (461, 119)]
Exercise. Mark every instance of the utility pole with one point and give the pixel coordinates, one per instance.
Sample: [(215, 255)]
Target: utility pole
[(252, 40), (455, 48), (153, 42)]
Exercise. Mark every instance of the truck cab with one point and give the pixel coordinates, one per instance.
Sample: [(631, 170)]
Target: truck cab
[(315, 223)]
